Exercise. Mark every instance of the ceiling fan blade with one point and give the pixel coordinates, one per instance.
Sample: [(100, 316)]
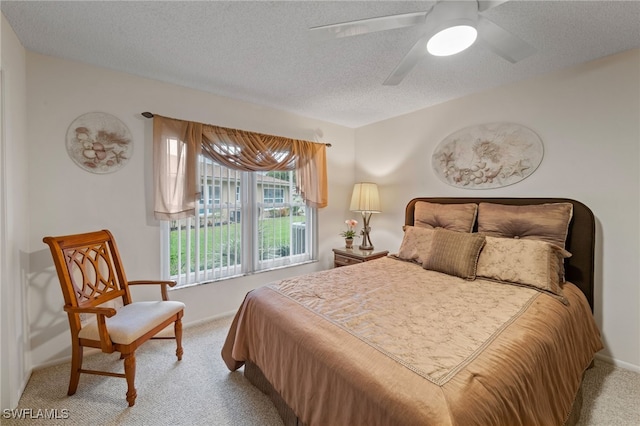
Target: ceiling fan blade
[(488, 4), (407, 63), (364, 26), (502, 42)]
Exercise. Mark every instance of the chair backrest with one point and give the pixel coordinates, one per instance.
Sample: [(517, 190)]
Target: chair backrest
[(89, 269)]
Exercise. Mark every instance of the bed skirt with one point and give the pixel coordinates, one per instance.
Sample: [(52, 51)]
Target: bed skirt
[(253, 373)]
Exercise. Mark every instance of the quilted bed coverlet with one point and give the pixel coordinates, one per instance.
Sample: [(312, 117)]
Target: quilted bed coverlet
[(388, 342)]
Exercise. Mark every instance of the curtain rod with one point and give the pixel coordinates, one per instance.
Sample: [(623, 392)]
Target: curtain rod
[(148, 114)]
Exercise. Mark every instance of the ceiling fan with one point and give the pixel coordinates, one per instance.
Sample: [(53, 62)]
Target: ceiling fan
[(456, 24)]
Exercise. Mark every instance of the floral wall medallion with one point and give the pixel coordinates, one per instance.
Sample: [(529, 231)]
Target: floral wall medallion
[(487, 156), (99, 142)]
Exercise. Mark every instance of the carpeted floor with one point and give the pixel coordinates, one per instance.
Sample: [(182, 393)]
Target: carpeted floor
[(199, 390)]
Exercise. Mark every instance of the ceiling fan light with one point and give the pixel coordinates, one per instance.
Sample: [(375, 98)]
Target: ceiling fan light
[(452, 40)]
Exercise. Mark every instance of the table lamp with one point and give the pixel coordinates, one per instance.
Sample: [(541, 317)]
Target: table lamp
[(365, 199)]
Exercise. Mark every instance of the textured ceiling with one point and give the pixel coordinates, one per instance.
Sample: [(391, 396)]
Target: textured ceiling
[(262, 52)]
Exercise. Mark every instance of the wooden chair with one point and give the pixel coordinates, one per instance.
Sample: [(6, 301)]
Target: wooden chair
[(91, 274)]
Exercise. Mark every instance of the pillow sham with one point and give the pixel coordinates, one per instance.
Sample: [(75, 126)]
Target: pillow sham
[(547, 222), (454, 217), (454, 253), (531, 263), (415, 244)]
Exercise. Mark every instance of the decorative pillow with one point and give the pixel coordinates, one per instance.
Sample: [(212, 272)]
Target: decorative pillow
[(415, 244), (454, 253), (454, 217), (546, 222), (530, 263)]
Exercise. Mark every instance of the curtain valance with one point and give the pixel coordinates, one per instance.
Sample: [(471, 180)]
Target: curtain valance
[(178, 143)]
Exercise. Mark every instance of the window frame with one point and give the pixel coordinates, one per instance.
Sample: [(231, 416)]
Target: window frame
[(246, 194)]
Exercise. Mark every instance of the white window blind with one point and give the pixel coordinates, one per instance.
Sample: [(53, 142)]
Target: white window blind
[(246, 222)]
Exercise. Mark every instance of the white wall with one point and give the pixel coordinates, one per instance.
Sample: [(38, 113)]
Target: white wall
[(66, 199), (14, 229), (589, 120)]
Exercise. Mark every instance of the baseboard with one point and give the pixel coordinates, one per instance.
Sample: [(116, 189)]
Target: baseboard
[(17, 395), (618, 363), (209, 319), (90, 351)]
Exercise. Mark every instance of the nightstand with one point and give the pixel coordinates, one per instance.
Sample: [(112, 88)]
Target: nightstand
[(345, 256)]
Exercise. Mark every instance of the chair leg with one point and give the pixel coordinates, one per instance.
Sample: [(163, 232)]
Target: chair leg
[(177, 327), (76, 365), (130, 374)]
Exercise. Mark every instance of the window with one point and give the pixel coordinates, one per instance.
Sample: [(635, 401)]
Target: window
[(247, 222), (209, 196), (273, 195)]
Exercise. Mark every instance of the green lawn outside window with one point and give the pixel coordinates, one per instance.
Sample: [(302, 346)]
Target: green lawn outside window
[(274, 235)]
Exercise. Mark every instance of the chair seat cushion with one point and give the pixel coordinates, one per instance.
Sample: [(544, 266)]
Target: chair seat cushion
[(133, 320)]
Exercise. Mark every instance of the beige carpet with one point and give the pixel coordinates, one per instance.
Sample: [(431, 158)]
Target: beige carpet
[(200, 390)]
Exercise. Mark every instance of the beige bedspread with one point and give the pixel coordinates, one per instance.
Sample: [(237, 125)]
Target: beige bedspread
[(388, 342)]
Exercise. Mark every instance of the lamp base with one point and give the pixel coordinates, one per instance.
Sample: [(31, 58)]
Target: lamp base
[(366, 240)]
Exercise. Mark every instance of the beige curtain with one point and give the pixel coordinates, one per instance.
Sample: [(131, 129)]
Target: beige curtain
[(236, 149), (176, 146)]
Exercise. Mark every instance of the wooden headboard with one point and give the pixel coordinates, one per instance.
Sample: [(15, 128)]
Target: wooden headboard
[(579, 268)]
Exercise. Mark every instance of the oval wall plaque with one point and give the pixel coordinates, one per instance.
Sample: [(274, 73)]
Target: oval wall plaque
[(487, 156)]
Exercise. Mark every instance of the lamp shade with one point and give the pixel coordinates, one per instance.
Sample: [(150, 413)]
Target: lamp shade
[(365, 198)]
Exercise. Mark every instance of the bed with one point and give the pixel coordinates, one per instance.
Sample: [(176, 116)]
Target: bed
[(483, 316)]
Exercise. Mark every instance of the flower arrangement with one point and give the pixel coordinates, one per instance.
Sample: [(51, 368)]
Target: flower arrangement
[(350, 232)]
